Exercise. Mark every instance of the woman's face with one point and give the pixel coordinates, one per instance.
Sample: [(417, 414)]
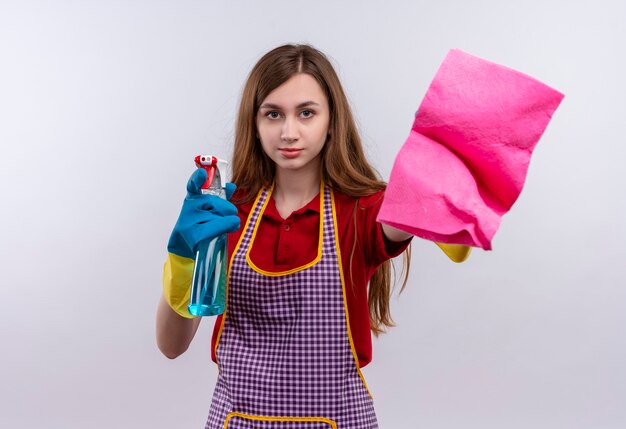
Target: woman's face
[(292, 124)]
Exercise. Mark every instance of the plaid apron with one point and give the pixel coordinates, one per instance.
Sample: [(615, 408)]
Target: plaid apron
[(284, 352)]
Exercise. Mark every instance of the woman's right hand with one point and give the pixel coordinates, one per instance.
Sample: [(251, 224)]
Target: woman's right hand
[(201, 217)]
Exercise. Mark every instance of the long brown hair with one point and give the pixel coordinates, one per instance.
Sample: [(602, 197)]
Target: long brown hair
[(343, 162)]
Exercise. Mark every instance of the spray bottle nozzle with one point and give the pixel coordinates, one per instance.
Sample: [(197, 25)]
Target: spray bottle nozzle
[(209, 164), (208, 160)]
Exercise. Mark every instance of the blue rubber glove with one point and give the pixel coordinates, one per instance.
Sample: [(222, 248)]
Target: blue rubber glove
[(202, 217)]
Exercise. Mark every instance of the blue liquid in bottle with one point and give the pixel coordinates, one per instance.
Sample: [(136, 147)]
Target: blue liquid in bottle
[(208, 290)]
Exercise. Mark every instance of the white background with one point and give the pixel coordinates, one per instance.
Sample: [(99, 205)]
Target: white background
[(103, 106)]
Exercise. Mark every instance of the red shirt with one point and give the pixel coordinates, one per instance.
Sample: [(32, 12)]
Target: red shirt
[(284, 244)]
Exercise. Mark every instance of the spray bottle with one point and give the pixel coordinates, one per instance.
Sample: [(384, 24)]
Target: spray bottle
[(208, 288)]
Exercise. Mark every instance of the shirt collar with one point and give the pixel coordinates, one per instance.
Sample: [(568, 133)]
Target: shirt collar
[(311, 206)]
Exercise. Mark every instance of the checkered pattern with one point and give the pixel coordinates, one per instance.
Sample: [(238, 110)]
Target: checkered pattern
[(284, 348)]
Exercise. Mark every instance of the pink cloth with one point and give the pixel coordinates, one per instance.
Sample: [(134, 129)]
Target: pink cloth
[(465, 161)]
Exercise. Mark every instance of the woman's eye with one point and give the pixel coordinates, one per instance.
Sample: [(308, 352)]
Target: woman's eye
[(306, 113), (272, 115)]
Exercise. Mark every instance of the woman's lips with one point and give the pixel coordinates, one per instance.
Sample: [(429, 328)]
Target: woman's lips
[(290, 152)]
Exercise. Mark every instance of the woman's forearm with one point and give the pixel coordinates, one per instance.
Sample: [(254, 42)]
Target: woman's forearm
[(174, 332)]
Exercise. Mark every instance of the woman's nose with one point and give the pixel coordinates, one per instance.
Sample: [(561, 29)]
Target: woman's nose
[(289, 132)]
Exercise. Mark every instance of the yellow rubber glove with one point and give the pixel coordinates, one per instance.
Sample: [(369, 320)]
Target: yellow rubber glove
[(177, 276), (456, 252)]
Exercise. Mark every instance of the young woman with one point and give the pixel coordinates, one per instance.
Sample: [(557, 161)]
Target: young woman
[(297, 326)]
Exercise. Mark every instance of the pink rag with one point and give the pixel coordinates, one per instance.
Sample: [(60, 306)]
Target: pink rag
[(465, 161)]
